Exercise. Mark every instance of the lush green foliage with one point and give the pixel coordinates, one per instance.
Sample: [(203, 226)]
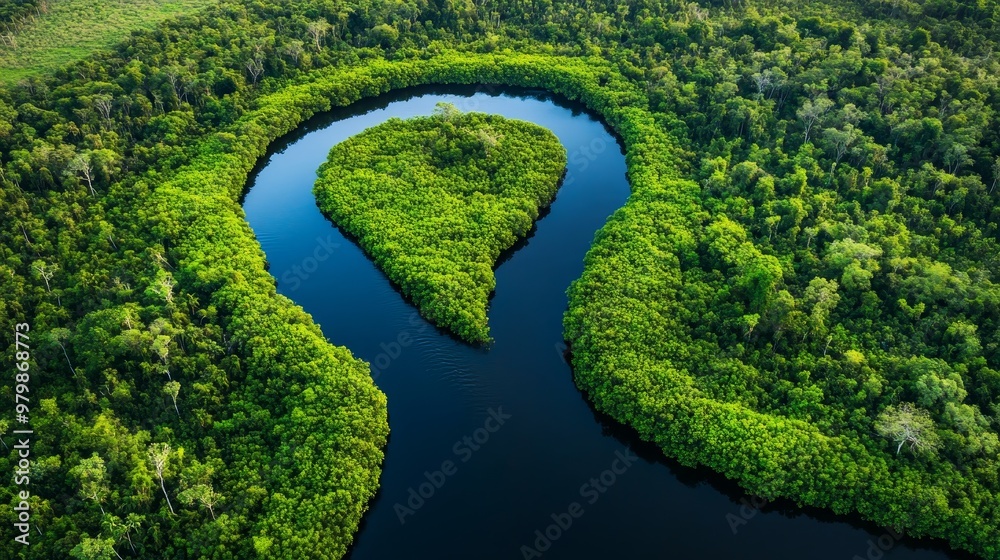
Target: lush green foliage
[(816, 316), (823, 285), (436, 200), (15, 11), (276, 451), (43, 35)]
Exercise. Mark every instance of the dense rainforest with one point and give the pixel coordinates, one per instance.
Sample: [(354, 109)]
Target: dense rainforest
[(436, 200), (800, 293)]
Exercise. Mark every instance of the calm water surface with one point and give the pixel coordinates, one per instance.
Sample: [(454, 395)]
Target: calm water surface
[(489, 486)]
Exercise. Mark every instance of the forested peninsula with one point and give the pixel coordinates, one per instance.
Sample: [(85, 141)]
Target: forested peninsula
[(800, 293), (436, 200)]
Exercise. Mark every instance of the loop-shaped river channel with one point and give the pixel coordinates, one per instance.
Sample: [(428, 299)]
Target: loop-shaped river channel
[(493, 452)]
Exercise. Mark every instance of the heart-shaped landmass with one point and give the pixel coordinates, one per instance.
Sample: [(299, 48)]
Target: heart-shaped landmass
[(435, 201)]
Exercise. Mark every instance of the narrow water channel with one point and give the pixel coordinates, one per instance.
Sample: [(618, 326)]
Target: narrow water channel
[(489, 446)]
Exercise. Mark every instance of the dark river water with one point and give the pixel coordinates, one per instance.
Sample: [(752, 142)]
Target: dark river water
[(493, 452)]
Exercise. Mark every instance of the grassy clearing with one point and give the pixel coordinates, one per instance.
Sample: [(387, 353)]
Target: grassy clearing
[(73, 29)]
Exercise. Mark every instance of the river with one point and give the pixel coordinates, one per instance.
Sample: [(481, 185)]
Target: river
[(494, 453)]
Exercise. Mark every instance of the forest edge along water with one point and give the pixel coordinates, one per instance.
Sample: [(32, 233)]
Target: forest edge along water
[(554, 478)]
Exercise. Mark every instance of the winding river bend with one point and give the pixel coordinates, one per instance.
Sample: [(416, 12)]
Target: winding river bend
[(489, 446)]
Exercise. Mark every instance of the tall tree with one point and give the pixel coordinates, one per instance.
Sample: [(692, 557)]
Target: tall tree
[(906, 424), (92, 475), (159, 455), (172, 389)]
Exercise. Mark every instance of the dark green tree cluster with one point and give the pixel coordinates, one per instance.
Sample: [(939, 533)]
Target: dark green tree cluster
[(436, 200)]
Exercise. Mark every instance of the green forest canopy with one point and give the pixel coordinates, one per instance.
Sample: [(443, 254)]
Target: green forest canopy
[(802, 283), (436, 200)]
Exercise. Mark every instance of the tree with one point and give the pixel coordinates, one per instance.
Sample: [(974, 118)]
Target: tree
[(765, 80), (173, 74), (173, 388), (122, 529), (104, 103), (811, 112), (45, 272), (317, 30), (92, 476), (772, 223), (60, 336), (996, 174), (161, 331), (383, 34), (447, 111), (935, 383), (196, 485), (955, 156), (856, 261), (166, 286), (159, 455), (294, 50), (81, 166), (598, 20), (964, 340), (822, 295), (255, 66), (841, 139), (203, 494), (749, 323), (907, 424), (95, 549), (161, 347), (489, 139), (132, 523)]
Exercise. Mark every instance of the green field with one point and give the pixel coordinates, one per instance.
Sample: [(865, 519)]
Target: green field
[(73, 29)]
